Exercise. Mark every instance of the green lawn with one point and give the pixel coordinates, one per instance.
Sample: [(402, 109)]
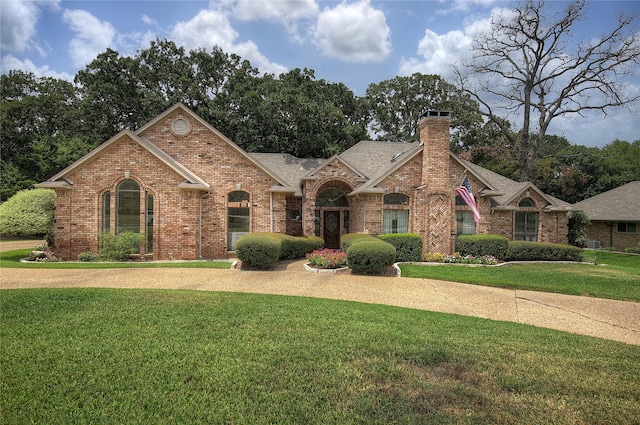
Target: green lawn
[(148, 356), (616, 276), (12, 259)]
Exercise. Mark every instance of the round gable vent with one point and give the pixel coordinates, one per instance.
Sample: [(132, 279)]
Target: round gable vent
[(180, 127)]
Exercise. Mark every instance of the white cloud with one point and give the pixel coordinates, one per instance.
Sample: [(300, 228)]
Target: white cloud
[(277, 10), (437, 52), (92, 36), (354, 32), (18, 21), (10, 62), (211, 28)]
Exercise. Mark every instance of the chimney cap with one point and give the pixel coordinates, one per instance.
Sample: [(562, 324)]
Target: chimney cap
[(432, 113)]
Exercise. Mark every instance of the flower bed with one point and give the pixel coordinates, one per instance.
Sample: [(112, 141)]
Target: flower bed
[(327, 258), (470, 259)]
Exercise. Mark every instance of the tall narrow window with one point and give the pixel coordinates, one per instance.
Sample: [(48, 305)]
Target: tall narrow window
[(396, 213), (465, 224), (526, 225), (128, 207), (106, 212), (148, 232), (238, 219)]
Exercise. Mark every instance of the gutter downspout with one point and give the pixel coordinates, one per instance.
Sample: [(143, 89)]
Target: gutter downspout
[(271, 212)]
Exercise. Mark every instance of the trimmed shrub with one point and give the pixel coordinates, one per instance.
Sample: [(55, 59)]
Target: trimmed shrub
[(479, 245), (349, 239), (370, 256), (541, 251), (120, 247), (28, 213), (288, 248), (408, 245), (294, 247), (259, 250), (87, 257)]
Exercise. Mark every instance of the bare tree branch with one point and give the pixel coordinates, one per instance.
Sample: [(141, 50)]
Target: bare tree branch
[(523, 67)]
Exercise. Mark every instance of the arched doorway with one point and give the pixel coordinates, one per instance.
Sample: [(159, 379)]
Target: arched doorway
[(332, 215)]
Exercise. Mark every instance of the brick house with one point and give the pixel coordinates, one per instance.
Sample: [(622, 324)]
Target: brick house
[(614, 217), (192, 192)]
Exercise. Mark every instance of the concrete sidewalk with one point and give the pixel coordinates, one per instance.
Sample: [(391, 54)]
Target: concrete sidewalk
[(609, 319)]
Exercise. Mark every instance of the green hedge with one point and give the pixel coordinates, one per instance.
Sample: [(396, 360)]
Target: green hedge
[(480, 245), (408, 245), (540, 251), (349, 239), (294, 247), (367, 254), (263, 250), (259, 250)]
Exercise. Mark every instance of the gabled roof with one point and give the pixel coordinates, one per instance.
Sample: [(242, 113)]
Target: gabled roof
[(288, 167), (339, 158), (390, 159), (504, 191), (214, 130), (192, 181), (619, 204)]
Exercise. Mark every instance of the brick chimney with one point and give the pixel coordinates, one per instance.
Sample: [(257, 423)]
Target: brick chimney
[(434, 134), (438, 217)]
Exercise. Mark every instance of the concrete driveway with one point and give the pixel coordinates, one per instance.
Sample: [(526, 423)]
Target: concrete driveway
[(609, 319)]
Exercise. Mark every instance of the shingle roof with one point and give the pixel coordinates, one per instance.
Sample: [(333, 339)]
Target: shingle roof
[(289, 168), (619, 204), (374, 158)]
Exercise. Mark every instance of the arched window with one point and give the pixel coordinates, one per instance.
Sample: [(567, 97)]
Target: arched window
[(332, 198), (526, 222), (396, 199), (396, 213), (128, 207), (238, 217), (526, 203)]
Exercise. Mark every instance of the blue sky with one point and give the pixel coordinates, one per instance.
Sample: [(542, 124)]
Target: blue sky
[(356, 42)]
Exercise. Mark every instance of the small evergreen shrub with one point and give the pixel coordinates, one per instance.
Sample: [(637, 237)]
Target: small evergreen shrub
[(479, 245), (370, 256), (87, 257), (408, 245), (119, 247), (541, 251), (634, 249), (259, 250), (433, 257)]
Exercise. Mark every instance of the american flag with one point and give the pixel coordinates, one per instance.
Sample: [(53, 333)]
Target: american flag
[(464, 191)]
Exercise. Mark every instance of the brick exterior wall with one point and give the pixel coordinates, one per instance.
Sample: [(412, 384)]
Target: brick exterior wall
[(608, 235), (191, 224)]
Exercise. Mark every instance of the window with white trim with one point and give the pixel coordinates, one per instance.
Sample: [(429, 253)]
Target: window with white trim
[(396, 213)]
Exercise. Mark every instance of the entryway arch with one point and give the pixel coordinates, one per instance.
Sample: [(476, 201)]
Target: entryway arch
[(332, 212)]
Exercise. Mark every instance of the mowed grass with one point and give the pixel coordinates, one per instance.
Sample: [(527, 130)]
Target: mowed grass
[(612, 275), (148, 356), (12, 259)]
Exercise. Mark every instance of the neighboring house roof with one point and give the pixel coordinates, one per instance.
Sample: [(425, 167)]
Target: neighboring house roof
[(619, 204), (192, 181)]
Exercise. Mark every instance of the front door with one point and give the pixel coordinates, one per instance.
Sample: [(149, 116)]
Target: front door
[(332, 229)]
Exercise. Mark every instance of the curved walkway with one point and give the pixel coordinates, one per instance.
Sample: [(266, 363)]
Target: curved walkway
[(609, 319)]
